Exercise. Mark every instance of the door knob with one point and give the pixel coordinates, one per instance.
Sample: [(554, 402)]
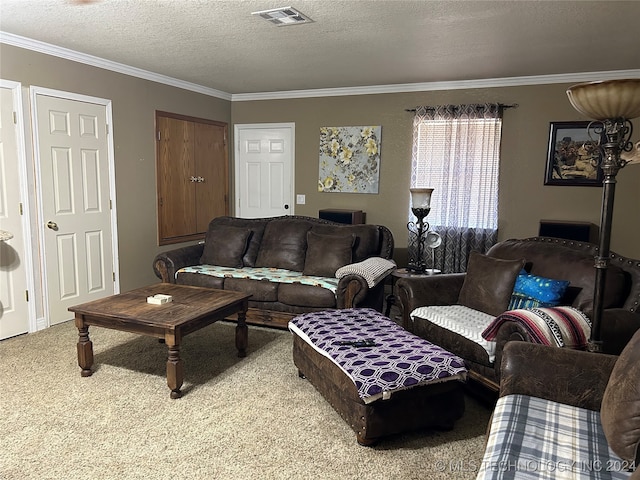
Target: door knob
[(286, 206), (52, 225)]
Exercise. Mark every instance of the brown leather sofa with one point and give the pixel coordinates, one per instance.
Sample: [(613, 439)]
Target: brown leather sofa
[(303, 245), (564, 411), (547, 257)]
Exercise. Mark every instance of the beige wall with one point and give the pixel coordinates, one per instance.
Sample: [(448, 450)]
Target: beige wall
[(134, 102), (524, 199)]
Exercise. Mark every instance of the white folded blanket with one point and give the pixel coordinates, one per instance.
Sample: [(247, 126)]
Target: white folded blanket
[(462, 320), (372, 269)]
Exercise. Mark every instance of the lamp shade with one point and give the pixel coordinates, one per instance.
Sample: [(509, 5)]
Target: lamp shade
[(608, 99), (421, 197)]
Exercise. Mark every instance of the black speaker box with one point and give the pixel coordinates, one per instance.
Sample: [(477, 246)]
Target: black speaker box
[(580, 231), (342, 216)]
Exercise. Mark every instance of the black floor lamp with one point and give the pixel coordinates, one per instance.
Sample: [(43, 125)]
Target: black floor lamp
[(611, 104)]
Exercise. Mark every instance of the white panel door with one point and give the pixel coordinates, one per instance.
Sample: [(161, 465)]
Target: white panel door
[(264, 170), (72, 148), (14, 311)]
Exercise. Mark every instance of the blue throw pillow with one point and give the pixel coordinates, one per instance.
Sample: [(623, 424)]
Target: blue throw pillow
[(519, 301), (545, 290)]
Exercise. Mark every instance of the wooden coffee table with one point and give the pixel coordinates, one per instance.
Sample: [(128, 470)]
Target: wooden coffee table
[(192, 308)]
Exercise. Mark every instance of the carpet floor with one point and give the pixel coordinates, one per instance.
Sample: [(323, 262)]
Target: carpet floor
[(238, 419)]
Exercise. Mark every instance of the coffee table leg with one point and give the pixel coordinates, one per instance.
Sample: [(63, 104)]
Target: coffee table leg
[(175, 371), (242, 333), (85, 348)]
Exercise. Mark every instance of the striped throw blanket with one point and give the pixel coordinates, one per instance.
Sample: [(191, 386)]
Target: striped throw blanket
[(553, 326)]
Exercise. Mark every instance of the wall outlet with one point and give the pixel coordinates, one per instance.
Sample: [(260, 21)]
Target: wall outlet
[(300, 199)]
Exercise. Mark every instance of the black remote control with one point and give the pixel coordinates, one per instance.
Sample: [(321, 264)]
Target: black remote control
[(357, 343)]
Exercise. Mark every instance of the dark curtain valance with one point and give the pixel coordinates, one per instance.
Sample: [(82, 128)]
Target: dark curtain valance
[(448, 112)]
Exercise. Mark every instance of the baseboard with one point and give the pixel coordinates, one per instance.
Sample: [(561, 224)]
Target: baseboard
[(41, 324)]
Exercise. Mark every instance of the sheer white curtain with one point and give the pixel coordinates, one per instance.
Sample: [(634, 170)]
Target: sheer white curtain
[(456, 151)]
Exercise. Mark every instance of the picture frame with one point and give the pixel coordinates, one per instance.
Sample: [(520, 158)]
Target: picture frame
[(573, 156), (349, 160)]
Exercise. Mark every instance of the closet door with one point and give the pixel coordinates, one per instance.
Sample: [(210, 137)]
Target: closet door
[(192, 176), (175, 167), (212, 179)]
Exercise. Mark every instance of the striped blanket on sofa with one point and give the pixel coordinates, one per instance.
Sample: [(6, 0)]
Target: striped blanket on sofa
[(553, 326)]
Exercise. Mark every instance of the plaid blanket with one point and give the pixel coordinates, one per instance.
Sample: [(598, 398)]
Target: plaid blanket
[(537, 439), (553, 326)]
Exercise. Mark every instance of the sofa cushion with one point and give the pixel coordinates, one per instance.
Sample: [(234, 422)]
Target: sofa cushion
[(260, 290), (367, 242), (257, 231), (284, 244), (225, 245), (263, 274), (306, 295), (620, 410), (197, 280), (489, 283), (456, 328), (327, 253)]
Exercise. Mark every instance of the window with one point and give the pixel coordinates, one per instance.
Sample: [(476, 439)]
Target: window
[(456, 151)]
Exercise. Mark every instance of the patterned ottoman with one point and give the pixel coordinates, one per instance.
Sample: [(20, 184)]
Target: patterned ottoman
[(379, 377)]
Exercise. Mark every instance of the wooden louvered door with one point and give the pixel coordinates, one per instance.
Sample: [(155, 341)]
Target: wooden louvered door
[(192, 176)]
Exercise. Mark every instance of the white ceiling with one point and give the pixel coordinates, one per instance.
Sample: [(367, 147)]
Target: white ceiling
[(218, 44)]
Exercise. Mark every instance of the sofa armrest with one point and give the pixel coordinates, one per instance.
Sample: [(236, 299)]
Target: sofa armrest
[(561, 375), (420, 291), (166, 264), (617, 327), (354, 292)]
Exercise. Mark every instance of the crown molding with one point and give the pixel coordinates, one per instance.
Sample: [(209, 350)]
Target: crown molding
[(48, 49), (433, 86)]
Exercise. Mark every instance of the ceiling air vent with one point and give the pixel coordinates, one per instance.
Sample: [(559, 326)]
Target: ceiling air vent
[(283, 16)]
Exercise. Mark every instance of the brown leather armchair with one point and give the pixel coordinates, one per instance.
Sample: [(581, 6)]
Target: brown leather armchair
[(548, 257), (573, 382)]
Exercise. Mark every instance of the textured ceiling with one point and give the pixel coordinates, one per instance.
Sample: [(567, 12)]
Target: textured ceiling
[(220, 45)]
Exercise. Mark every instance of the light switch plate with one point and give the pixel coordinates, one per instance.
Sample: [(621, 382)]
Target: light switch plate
[(300, 199)]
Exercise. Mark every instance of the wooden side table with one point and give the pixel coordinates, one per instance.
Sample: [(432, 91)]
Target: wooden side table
[(404, 273)]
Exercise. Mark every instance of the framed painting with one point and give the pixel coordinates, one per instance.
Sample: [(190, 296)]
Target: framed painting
[(349, 159), (573, 156)]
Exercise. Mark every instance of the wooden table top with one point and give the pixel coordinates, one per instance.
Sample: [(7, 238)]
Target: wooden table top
[(189, 303)]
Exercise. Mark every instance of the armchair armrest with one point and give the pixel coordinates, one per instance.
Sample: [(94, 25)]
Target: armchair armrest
[(166, 264), (414, 292), (572, 377)]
